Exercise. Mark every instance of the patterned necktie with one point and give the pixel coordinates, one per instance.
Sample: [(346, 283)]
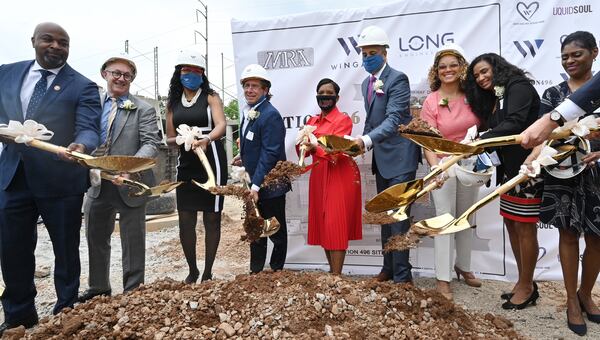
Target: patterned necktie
[(106, 134), (370, 88), (38, 93)]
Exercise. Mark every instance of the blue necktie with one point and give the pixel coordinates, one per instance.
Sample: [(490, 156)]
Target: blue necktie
[(38, 93)]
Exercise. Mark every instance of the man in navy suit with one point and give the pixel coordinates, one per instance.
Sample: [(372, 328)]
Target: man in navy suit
[(35, 182), (262, 145), (386, 93), (585, 99)]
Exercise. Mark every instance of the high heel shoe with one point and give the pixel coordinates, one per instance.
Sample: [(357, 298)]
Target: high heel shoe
[(469, 277), (580, 330), (443, 288), (592, 317), (532, 299)]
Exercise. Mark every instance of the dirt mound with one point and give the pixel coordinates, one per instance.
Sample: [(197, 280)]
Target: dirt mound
[(299, 305)]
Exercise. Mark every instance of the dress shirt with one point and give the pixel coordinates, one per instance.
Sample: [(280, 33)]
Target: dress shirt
[(106, 112), (569, 110), (31, 78), (366, 139)]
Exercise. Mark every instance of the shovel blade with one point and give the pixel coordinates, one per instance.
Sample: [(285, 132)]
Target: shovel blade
[(333, 143), (456, 226), (270, 227), (119, 163), (435, 223), (157, 190), (206, 185), (395, 196), (441, 145)]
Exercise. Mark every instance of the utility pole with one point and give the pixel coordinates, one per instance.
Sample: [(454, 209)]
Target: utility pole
[(205, 35), (156, 94), (222, 79)]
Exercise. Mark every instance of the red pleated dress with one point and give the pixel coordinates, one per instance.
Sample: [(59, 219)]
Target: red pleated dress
[(334, 205)]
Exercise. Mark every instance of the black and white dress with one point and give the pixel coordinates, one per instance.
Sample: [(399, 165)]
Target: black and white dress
[(191, 197)]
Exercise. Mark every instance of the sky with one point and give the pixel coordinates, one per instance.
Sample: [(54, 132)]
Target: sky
[(99, 29)]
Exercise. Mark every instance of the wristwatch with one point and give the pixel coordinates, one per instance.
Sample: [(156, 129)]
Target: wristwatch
[(556, 117)]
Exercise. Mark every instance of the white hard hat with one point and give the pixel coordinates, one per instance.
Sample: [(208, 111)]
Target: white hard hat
[(191, 57), (123, 58), (471, 178), (254, 71), (373, 35), (571, 166), (450, 48)]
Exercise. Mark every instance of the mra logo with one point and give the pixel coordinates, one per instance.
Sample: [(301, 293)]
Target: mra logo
[(528, 46)]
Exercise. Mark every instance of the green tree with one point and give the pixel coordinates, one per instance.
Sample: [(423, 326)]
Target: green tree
[(232, 110)]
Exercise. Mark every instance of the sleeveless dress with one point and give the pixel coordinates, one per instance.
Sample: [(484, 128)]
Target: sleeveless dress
[(190, 196)]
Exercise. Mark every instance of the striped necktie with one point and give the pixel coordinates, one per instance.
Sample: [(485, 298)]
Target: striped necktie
[(106, 134)]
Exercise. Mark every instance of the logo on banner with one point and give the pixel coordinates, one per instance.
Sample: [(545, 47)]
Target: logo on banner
[(349, 46), (424, 44), (284, 59), (527, 12), (570, 10), (527, 47)]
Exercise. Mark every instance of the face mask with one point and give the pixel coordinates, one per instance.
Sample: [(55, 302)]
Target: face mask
[(373, 63), (326, 103), (191, 81)]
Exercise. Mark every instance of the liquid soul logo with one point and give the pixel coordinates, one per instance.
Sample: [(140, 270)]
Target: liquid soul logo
[(527, 10), (284, 59), (568, 10), (528, 47)]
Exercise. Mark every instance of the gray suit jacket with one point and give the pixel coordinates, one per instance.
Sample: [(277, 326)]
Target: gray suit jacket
[(393, 154), (135, 133)]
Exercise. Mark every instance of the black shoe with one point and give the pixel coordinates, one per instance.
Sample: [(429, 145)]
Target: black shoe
[(89, 294), (532, 299), (508, 296), (592, 317), (580, 330), (27, 322)]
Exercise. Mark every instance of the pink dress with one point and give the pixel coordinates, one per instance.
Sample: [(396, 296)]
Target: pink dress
[(452, 120)]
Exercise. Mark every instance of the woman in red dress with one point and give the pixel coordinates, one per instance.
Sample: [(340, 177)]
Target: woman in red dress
[(334, 205)]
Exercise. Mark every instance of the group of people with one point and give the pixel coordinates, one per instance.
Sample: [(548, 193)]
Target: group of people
[(489, 93)]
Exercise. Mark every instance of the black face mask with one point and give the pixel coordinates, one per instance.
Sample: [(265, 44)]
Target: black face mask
[(326, 103)]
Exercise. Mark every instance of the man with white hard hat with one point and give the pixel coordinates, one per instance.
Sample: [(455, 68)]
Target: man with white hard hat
[(262, 145), (386, 94), (129, 128)]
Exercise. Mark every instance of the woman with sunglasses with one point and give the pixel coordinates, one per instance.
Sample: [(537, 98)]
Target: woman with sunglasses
[(191, 101)]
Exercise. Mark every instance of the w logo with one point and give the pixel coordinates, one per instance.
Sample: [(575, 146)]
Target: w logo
[(527, 47), (353, 44)]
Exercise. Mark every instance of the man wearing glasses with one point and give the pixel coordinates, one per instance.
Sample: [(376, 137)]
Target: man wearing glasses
[(128, 127)]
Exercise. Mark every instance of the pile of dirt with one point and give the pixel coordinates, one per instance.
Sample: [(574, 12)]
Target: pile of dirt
[(284, 173), (420, 127), (285, 304)]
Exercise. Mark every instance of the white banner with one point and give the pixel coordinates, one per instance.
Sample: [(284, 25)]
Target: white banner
[(298, 51)]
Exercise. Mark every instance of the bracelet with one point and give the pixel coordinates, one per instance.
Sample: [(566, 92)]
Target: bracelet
[(207, 137)]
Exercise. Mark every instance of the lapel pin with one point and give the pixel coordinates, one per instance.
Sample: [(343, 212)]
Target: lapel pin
[(56, 88)]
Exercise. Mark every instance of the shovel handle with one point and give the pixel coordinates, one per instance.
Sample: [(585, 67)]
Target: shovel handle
[(209, 172), (440, 168), (302, 155), (38, 144)]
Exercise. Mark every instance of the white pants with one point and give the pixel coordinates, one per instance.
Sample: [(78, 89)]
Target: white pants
[(453, 198)]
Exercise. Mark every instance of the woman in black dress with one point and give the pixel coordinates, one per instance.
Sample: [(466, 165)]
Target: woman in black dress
[(191, 101), (503, 97), (573, 205)]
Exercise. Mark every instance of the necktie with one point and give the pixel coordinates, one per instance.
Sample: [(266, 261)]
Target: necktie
[(38, 93), (370, 88), (106, 134)]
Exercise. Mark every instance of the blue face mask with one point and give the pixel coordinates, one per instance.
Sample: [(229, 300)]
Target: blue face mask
[(373, 63), (191, 81)]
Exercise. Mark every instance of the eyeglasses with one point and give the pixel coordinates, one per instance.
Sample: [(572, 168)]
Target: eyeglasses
[(249, 86), (118, 74), (451, 66)]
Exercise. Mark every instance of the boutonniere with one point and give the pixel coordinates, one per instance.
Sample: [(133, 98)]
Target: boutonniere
[(128, 105), (253, 114), (444, 102), (499, 91), (378, 87)]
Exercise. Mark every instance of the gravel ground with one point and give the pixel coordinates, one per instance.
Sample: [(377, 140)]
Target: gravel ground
[(164, 259)]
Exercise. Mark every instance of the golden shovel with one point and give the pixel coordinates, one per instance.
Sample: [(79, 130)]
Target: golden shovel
[(447, 224), (270, 226), (210, 182), (333, 143), (142, 190)]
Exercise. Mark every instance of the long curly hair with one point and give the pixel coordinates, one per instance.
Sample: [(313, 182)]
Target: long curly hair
[(176, 89), (434, 80), (482, 101)]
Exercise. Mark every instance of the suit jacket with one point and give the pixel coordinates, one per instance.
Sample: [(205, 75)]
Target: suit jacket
[(262, 146), (587, 97), (135, 133), (393, 154), (71, 109)]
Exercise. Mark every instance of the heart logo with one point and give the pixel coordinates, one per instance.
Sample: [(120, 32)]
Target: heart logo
[(541, 253), (527, 11)]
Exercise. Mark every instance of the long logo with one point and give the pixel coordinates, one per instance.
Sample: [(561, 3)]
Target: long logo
[(527, 11), (347, 47), (526, 47)]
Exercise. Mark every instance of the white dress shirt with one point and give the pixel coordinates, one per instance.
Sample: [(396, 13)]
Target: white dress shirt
[(569, 110), (32, 77)]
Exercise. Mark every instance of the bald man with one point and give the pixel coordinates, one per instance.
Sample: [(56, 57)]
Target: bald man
[(36, 183)]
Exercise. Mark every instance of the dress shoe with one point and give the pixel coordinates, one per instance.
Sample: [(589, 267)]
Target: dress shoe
[(469, 277), (580, 330), (508, 296), (89, 294), (382, 277), (27, 322), (592, 317), (532, 299), (443, 288)]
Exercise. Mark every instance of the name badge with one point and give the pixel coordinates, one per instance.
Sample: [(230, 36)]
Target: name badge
[(250, 135)]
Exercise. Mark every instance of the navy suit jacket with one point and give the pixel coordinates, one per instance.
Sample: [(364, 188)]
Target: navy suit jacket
[(393, 154), (587, 97), (262, 145), (71, 109)]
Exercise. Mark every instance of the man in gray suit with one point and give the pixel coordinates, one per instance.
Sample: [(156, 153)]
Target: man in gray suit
[(129, 127), (386, 93)]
